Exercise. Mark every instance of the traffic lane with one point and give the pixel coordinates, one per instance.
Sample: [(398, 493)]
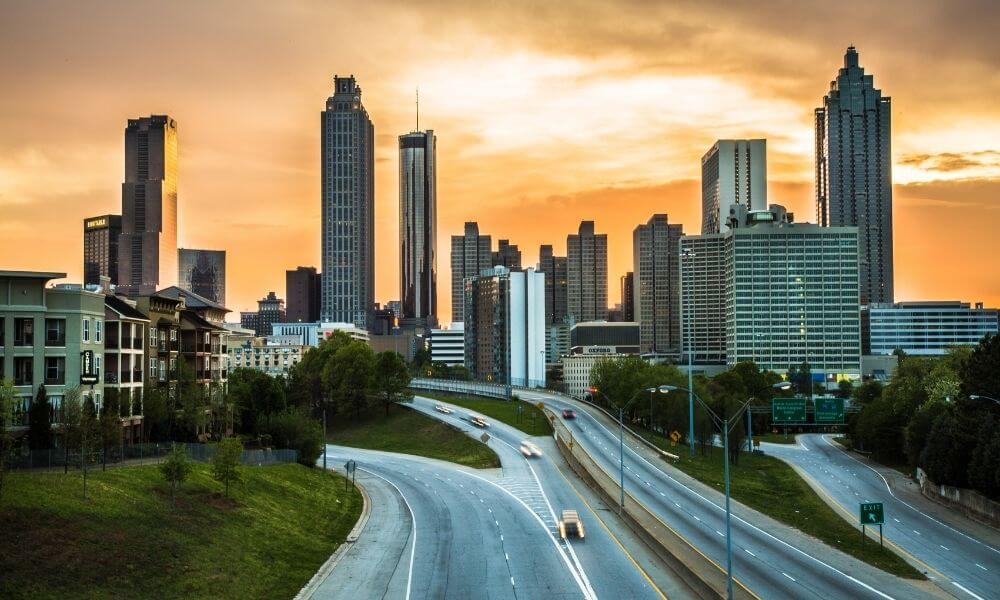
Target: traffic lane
[(472, 538), (607, 565), (702, 517), (960, 559)]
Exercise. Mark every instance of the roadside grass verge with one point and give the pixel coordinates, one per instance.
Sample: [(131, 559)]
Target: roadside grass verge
[(776, 438), (410, 432), (532, 420), (265, 541)]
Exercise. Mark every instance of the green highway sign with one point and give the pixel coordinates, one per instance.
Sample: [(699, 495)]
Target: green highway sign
[(872, 513), (788, 410), (829, 410)]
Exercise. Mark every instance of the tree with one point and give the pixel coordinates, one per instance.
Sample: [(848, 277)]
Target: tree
[(155, 414), (391, 378), (980, 372), (306, 382), (226, 462), (79, 427), (421, 363), (845, 388), (728, 393), (175, 469), (256, 396), (40, 421), (348, 377), (7, 400), (940, 455), (984, 468), (297, 430)]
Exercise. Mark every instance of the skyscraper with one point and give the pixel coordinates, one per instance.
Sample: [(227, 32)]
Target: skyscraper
[(348, 190), (656, 272), (732, 172), (507, 255), (554, 268), (302, 292), (628, 296), (203, 272), (470, 255), (147, 247), (100, 248), (418, 229), (854, 172), (270, 310), (587, 274)]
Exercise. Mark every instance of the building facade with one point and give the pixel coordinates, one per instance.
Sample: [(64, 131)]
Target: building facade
[(554, 268), (703, 298), (274, 354), (628, 296), (203, 272), (621, 336), (302, 287), (147, 247), (587, 274), (448, 345), (656, 285), (470, 256), (732, 172), (576, 367), (100, 248), (929, 328), (854, 172), (125, 331), (348, 205), (505, 327), (418, 229), (507, 255)]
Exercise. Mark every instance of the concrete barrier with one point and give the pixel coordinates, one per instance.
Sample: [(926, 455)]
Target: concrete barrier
[(970, 502)]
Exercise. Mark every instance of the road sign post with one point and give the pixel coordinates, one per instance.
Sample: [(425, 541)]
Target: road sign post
[(871, 514)]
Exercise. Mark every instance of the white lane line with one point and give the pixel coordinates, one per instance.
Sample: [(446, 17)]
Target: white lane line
[(788, 576), (512, 581), (967, 591), (750, 553), (722, 535), (943, 546), (413, 531), (982, 567), (916, 532), (506, 556), (697, 518), (501, 537), (896, 520)]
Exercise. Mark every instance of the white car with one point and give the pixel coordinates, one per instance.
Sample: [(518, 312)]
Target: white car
[(441, 408), (528, 449), (478, 421)]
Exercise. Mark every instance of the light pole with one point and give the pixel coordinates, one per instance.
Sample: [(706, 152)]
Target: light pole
[(621, 440), (981, 397), (687, 254), (726, 425)]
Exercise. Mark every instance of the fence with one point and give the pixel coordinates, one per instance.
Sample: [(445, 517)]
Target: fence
[(58, 458)]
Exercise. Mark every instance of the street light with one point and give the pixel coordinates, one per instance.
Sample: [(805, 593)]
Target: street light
[(981, 397), (726, 426), (686, 255), (621, 439)]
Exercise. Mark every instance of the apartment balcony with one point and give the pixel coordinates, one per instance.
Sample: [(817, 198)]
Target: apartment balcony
[(137, 376), (111, 378), (111, 339), (137, 343), (125, 376)]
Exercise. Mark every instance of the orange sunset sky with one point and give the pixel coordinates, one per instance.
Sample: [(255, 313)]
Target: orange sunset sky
[(546, 113)]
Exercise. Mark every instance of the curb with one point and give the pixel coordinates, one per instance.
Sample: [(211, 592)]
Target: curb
[(327, 568)]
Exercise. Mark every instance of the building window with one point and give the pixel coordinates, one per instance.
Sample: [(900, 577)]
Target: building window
[(152, 337), (24, 332), (24, 368), (163, 370), (98, 330), (86, 331), (97, 365), (173, 335), (152, 369), (55, 370), (55, 332)]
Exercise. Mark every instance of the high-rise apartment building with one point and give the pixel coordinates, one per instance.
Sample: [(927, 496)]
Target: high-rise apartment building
[(302, 295), (554, 268), (587, 274), (100, 248), (507, 255), (854, 172), (470, 255), (656, 284), (732, 172), (348, 190), (147, 247), (628, 296), (203, 272), (418, 229)]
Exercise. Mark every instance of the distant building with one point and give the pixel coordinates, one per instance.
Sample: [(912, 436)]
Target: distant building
[(628, 296), (470, 255), (352, 331), (587, 274), (616, 314), (384, 321), (125, 332), (505, 327), (554, 268), (147, 247), (732, 172), (203, 341), (557, 341), (448, 345), (929, 328), (270, 310), (623, 337), (403, 343), (576, 367), (507, 255), (656, 268), (274, 355), (100, 248), (703, 298), (203, 272), (302, 294), (418, 229)]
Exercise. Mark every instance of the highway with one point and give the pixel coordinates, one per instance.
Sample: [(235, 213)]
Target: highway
[(960, 564), (782, 564)]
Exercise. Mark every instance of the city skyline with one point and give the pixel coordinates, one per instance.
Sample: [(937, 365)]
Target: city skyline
[(943, 157)]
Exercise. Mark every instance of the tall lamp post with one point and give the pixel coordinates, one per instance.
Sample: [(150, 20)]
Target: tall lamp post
[(687, 254), (726, 425), (981, 397), (621, 438)]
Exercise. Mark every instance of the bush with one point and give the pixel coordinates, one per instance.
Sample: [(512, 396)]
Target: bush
[(296, 429)]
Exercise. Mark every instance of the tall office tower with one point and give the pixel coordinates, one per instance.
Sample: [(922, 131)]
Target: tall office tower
[(348, 185), (203, 272), (100, 248), (703, 298), (854, 172), (418, 229), (270, 310), (147, 246), (470, 255), (507, 255), (302, 294), (628, 296), (554, 268), (587, 274), (732, 172), (656, 269)]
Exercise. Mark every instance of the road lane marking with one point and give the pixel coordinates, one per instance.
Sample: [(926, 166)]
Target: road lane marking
[(750, 553), (945, 547), (413, 531), (967, 591), (916, 532), (788, 576), (982, 567), (722, 535)]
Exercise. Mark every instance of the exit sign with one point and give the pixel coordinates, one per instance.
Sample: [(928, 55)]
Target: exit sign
[(872, 513)]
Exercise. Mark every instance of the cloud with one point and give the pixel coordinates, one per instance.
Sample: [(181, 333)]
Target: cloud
[(952, 161)]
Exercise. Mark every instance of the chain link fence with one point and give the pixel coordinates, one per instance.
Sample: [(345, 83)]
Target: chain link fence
[(138, 454)]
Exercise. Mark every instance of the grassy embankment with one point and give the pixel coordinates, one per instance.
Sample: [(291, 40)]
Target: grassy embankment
[(410, 432), (532, 420), (265, 541)]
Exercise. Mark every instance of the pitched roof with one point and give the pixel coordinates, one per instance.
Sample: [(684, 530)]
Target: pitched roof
[(123, 308), (191, 299)]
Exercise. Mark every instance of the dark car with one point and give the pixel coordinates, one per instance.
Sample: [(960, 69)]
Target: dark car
[(569, 413)]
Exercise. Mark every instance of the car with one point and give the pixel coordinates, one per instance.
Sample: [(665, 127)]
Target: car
[(478, 421), (528, 449), (570, 525), (569, 413), (443, 409)]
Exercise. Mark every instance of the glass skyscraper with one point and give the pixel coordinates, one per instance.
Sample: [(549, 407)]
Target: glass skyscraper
[(348, 190), (732, 172), (418, 229)]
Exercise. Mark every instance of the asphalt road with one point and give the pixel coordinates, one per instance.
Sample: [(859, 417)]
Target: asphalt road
[(959, 563)]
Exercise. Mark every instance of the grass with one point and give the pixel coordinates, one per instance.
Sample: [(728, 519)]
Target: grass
[(265, 541), (772, 487), (776, 438), (532, 421), (410, 432)]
